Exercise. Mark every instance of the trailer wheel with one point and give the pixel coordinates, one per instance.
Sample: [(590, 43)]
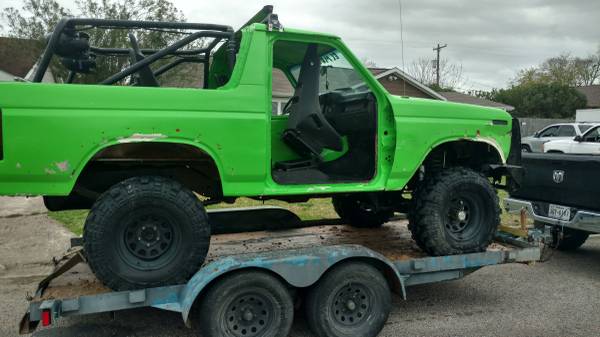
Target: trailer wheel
[(353, 299), (246, 304), (454, 212), (571, 238), (358, 212), (146, 232)]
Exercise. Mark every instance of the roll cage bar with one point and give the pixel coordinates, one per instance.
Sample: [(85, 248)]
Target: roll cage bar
[(70, 28)]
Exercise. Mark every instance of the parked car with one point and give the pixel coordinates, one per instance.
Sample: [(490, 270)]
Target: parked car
[(588, 143), (552, 132), (560, 191)]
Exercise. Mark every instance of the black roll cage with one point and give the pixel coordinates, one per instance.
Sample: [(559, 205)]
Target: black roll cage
[(199, 55)]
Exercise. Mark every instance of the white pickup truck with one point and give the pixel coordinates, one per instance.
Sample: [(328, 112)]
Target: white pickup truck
[(588, 143), (564, 131)]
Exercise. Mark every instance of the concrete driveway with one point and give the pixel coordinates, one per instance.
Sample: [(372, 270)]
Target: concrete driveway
[(557, 298)]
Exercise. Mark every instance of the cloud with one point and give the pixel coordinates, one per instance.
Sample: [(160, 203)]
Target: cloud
[(491, 39)]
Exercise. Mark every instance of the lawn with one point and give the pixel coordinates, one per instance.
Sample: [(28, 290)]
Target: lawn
[(311, 210)]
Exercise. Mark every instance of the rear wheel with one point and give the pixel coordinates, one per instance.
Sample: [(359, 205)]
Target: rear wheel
[(146, 232), (353, 299), (359, 211), (456, 211), (525, 148), (569, 239), (246, 304)]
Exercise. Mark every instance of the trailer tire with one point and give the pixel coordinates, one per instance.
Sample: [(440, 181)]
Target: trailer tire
[(146, 232), (352, 299), (355, 212), (571, 239), (246, 303), (455, 211)]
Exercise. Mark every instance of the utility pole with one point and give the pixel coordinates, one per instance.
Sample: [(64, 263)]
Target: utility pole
[(437, 63)]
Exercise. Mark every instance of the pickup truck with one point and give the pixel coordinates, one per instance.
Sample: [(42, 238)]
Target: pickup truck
[(561, 191), (147, 159)]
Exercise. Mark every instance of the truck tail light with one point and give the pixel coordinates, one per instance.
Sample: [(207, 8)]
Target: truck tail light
[(46, 317)]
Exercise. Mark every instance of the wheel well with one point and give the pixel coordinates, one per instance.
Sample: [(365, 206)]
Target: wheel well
[(475, 155), (187, 164)]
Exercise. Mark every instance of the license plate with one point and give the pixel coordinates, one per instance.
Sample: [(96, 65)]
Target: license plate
[(559, 212)]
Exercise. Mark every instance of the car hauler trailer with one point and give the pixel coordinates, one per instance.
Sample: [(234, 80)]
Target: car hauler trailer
[(342, 275)]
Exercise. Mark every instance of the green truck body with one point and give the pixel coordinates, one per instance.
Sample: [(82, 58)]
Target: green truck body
[(50, 133)]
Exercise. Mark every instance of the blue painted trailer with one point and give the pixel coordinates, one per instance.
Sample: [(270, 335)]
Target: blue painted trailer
[(297, 257)]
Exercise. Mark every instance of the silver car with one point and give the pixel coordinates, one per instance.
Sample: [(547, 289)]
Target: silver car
[(553, 132)]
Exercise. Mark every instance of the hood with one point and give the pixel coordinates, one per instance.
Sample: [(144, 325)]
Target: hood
[(427, 107)]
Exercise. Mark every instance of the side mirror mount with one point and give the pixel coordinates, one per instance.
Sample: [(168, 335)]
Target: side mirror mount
[(578, 139)]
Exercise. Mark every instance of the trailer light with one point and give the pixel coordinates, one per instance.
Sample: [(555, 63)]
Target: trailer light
[(46, 317)]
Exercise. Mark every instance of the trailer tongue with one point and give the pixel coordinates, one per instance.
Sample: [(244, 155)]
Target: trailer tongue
[(298, 258)]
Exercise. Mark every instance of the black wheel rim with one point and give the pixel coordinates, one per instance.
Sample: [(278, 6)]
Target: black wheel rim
[(148, 240), (352, 305), (249, 315), (463, 216)]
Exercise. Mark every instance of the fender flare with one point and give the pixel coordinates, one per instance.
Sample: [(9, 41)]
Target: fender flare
[(141, 138)]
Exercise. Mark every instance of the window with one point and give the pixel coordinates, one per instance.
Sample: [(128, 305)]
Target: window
[(584, 127), (566, 131), (593, 136), (550, 132), (335, 74)]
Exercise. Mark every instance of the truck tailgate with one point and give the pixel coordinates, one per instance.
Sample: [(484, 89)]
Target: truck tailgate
[(564, 179)]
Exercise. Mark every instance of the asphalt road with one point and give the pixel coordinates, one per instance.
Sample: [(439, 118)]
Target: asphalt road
[(557, 298)]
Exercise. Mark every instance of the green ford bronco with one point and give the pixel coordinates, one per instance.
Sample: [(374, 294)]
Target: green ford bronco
[(147, 159)]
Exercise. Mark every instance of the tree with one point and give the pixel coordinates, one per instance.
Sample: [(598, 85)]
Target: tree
[(450, 74), (543, 100), (36, 18), (563, 69)]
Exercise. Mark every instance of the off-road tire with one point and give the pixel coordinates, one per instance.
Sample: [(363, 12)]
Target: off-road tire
[(352, 211), (571, 238), (431, 219), (148, 206), (327, 310), (222, 309)]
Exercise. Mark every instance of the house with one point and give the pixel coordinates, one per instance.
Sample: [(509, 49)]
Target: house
[(396, 81), (592, 93), (18, 56)]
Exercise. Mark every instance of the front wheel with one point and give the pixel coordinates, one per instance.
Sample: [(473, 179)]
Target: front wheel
[(455, 211), (146, 232)]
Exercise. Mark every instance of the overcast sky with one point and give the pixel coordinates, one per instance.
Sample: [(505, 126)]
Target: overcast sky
[(492, 39)]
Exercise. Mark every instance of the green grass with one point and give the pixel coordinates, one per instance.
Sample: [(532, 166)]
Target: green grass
[(310, 210), (72, 220)]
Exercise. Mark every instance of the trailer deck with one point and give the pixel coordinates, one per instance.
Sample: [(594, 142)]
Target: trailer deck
[(299, 255)]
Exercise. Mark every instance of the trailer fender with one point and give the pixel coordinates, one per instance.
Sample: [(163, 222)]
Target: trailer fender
[(299, 268)]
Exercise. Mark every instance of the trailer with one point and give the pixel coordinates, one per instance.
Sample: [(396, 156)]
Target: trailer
[(251, 282)]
